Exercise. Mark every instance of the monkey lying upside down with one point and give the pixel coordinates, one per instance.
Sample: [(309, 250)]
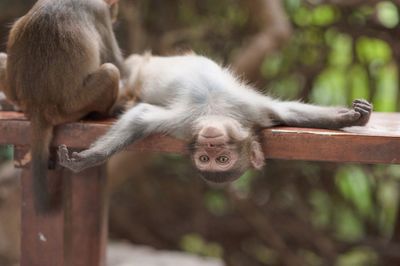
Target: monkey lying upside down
[(194, 99)]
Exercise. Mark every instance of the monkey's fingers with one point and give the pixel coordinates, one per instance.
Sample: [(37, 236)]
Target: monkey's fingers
[(63, 157), (362, 101), (365, 109), (361, 110), (351, 115), (364, 104)]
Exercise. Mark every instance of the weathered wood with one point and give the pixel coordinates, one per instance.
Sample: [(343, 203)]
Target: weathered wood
[(379, 142), (42, 236), (76, 234), (86, 218)]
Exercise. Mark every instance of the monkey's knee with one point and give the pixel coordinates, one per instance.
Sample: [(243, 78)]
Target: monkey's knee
[(106, 80), (112, 74)]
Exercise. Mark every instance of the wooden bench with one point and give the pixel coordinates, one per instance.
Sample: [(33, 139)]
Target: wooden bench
[(76, 234)]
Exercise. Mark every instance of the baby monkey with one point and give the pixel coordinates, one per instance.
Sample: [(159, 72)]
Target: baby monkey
[(63, 63), (194, 99)]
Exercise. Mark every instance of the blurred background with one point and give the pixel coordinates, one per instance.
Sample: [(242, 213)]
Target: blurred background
[(292, 213)]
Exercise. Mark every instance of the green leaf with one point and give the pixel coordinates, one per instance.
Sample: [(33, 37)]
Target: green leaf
[(6, 152), (330, 87), (387, 196), (348, 226), (361, 256), (355, 185), (215, 202), (324, 15), (192, 243), (387, 14), (370, 50), (385, 99), (341, 54), (358, 82), (322, 207)]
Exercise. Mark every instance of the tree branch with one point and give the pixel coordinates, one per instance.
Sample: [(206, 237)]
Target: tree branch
[(275, 31)]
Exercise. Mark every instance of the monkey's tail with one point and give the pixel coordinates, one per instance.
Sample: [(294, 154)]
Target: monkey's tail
[(42, 133)]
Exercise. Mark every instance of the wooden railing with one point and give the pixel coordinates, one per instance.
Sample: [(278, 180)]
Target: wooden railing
[(76, 234)]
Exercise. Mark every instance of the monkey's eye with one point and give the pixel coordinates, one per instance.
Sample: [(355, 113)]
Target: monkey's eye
[(223, 159), (204, 158)]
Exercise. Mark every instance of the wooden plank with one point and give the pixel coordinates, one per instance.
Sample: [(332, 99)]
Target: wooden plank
[(42, 236), (378, 142), (86, 218), (282, 144)]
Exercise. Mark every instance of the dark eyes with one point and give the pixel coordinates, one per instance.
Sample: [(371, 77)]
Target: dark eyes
[(204, 158), (223, 159), (220, 159)]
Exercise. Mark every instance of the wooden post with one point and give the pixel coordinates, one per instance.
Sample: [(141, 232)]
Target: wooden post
[(42, 238), (75, 234), (86, 218)]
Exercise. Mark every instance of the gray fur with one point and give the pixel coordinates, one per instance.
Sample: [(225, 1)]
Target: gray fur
[(180, 92)]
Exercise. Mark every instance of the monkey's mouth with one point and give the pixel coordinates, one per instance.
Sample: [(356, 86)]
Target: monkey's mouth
[(220, 177)]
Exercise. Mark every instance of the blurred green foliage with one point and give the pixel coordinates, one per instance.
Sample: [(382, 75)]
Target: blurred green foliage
[(6, 152), (194, 243), (346, 67)]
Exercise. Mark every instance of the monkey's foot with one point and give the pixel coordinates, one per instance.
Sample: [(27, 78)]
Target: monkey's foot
[(79, 161), (358, 115), (364, 108), (74, 163)]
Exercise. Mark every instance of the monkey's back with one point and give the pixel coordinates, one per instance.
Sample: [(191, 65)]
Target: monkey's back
[(51, 50), (192, 78)]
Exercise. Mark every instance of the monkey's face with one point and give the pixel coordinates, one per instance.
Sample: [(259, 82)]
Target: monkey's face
[(223, 151)]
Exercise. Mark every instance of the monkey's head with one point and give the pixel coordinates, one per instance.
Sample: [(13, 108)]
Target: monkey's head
[(222, 150)]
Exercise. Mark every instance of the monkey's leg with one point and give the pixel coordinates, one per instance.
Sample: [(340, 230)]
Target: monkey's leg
[(135, 124), (98, 93), (306, 115)]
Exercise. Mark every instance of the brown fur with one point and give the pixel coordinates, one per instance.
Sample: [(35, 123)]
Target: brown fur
[(59, 69)]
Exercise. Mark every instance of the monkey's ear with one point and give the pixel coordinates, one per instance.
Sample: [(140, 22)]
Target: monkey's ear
[(113, 5), (111, 2), (257, 157)]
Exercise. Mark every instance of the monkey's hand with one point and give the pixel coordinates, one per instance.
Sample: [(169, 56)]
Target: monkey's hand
[(364, 108), (79, 161), (357, 116)]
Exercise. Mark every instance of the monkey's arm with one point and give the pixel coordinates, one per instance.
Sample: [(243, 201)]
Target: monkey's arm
[(306, 115), (135, 124)]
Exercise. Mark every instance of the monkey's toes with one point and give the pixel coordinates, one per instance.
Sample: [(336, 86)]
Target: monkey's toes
[(76, 156), (351, 115), (364, 108), (63, 157)]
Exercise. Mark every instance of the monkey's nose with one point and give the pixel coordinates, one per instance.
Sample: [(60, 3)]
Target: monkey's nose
[(211, 132)]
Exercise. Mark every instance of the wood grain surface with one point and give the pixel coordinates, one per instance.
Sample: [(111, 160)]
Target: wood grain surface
[(378, 142)]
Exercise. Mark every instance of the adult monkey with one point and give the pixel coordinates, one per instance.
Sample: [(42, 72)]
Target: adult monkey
[(193, 98), (63, 63)]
